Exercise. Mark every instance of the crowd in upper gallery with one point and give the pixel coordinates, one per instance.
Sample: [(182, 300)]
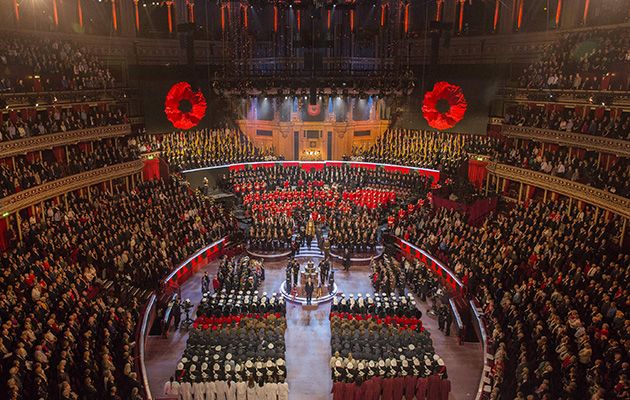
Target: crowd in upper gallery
[(23, 173), (567, 120), (57, 64), (65, 333), (30, 122), (593, 59)]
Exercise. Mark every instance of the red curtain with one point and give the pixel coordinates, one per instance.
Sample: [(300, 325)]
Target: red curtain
[(530, 192), (60, 154), (477, 172), (599, 112), (3, 234), (151, 169), (579, 153)]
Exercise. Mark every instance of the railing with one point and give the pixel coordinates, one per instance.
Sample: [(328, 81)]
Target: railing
[(579, 191), (176, 277), (43, 142), (49, 190), (433, 263), (570, 96), (483, 335), (572, 139), (136, 120), (17, 100), (435, 174), (458, 287)]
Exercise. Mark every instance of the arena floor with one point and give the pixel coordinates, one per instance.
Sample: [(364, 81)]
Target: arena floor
[(308, 341)]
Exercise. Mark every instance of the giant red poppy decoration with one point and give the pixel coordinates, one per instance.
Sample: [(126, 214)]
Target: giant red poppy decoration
[(454, 96), (184, 119)]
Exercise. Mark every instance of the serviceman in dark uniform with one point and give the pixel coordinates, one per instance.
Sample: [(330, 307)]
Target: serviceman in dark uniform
[(309, 288)]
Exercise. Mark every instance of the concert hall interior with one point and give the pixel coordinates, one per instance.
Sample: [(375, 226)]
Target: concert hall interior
[(314, 199)]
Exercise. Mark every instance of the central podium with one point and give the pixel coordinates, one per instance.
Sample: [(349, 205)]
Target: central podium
[(296, 292)]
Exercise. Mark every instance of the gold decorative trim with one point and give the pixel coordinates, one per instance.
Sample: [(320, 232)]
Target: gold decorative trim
[(71, 183), (588, 194), (150, 155), (572, 139), (43, 142)]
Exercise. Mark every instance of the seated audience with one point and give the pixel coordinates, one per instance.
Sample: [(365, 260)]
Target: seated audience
[(63, 334), (566, 120), (587, 170), (583, 60), (16, 125), (551, 280), (60, 65), (26, 174)]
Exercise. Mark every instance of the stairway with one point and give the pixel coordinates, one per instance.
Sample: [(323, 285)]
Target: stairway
[(313, 252)]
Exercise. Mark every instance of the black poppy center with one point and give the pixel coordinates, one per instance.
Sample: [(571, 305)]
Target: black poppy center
[(185, 106), (442, 106)]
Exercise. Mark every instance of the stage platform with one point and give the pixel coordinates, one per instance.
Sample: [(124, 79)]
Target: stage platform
[(314, 252), (269, 256), (359, 258), (302, 300)]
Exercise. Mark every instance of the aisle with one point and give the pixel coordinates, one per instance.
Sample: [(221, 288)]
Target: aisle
[(308, 341), (308, 351)]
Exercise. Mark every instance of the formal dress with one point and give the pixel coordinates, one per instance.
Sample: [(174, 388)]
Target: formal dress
[(337, 390), (211, 391), (172, 388), (421, 388), (186, 391), (252, 393), (445, 389), (433, 388), (199, 390), (399, 387), (271, 391), (377, 389), (241, 390), (410, 386), (221, 390), (230, 392), (348, 390), (283, 391), (360, 393), (388, 388), (260, 393)]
